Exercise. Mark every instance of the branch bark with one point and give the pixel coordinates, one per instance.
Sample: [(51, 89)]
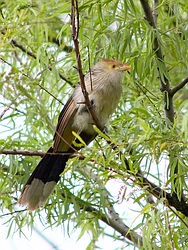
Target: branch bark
[(170, 200), (179, 86), (162, 72), (123, 230), (22, 152), (114, 216), (164, 81), (75, 34), (35, 153)]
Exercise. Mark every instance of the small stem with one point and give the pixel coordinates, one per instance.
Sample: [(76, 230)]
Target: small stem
[(164, 81), (31, 54), (35, 153), (75, 34), (179, 86)]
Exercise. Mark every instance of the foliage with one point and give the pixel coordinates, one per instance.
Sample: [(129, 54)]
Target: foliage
[(38, 72)]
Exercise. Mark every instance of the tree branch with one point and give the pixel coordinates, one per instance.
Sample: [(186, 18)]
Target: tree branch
[(123, 230), (22, 152), (131, 235), (164, 81), (75, 33), (31, 54), (179, 86), (66, 48), (23, 49), (35, 153), (170, 200), (142, 181)]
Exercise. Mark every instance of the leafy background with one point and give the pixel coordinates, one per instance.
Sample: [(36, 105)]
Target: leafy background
[(38, 72)]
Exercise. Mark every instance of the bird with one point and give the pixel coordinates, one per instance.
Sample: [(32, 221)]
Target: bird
[(103, 84)]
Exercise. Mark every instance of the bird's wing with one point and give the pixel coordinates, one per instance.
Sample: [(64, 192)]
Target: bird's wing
[(63, 135)]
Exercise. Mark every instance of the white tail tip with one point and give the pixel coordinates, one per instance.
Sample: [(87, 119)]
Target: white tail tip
[(36, 194)]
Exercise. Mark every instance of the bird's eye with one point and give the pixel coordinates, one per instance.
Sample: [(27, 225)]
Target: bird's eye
[(113, 66)]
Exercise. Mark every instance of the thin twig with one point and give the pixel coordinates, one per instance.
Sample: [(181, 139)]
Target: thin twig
[(164, 81), (9, 64), (35, 153), (145, 90), (31, 54), (90, 69), (156, 3), (13, 108), (50, 94), (179, 86), (113, 214), (6, 109), (22, 152), (75, 34), (170, 200), (23, 49)]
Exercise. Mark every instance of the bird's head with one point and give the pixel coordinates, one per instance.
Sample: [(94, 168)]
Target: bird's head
[(113, 65), (110, 70)]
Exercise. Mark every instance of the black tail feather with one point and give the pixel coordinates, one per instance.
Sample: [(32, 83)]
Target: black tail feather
[(50, 167)]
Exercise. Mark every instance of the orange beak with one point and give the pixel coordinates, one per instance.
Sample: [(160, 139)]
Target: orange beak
[(126, 67)]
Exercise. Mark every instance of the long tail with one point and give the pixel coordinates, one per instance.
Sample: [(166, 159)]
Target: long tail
[(43, 180)]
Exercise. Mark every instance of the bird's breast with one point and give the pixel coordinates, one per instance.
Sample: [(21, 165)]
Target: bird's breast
[(104, 100)]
